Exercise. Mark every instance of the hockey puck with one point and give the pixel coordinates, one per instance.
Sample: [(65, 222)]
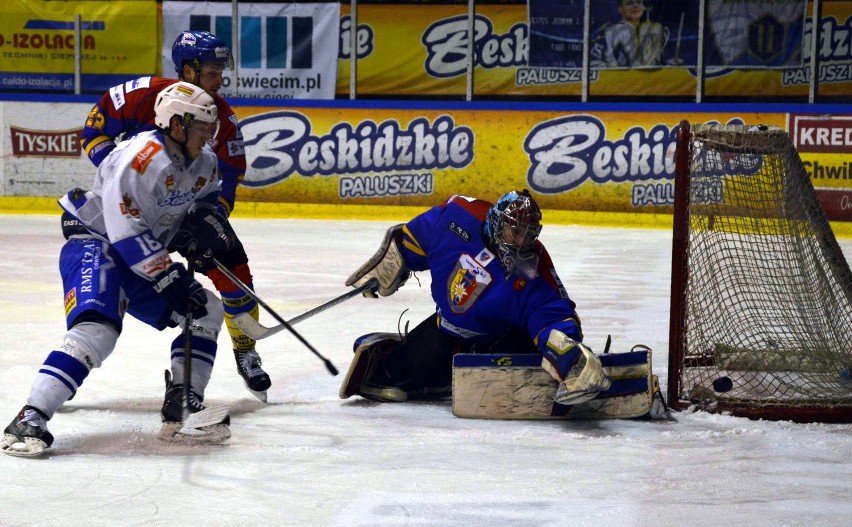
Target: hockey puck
[(722, 384)]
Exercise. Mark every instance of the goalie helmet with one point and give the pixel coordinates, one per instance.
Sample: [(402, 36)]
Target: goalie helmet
[(512, 226), (198, 47), (187, 101)]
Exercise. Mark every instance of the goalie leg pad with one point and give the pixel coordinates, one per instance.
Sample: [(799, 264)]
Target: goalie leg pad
[(371, 351), (507, 386)]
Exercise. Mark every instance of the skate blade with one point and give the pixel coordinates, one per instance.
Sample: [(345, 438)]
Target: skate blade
[(259, 395), (29, 447), (177, 433)]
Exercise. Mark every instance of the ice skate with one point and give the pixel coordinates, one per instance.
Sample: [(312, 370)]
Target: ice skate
[(204, 425), (27, 435), (256, 380)]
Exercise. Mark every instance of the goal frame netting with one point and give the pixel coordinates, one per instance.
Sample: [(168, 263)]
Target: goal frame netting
[(700, 371)]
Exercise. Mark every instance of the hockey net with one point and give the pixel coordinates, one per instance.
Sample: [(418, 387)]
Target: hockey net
[(761, 313)]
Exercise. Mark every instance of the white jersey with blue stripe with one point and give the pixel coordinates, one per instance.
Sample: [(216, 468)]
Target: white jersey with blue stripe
[(142, 192)]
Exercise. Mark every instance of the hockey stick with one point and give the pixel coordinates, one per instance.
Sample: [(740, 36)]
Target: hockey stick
[(211, 415), (187, 340), (258, 331), (248, 291)]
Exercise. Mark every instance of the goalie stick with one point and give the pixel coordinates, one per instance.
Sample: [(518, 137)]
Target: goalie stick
[(258, 331), (248, 291)]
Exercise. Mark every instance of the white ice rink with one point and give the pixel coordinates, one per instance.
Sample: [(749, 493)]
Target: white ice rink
[(310, 459)]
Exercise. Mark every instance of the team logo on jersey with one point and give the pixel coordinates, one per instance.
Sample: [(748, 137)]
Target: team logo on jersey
[(170, 183), (144, 157), (127, 207), (70, 300), (466, 283)]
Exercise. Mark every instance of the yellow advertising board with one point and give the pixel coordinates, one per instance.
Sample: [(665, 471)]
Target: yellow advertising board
[(118, 40), (593, 161), (419, 50)]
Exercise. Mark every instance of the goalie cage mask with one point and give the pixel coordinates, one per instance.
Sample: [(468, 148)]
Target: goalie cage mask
[(512, 226)]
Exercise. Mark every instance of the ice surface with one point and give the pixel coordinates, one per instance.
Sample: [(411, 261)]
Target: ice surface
[(310, 459)]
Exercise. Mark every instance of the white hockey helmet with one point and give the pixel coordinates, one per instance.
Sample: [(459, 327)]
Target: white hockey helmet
[(187, 101)]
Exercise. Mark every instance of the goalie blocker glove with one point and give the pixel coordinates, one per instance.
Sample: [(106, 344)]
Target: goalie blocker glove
[(181, 290), (387, 266)]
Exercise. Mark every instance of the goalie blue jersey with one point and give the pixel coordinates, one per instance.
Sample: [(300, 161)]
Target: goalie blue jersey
[(475, 299)]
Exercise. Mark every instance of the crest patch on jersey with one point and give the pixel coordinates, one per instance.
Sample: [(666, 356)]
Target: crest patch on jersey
[(236, 148), (484, 257), (457, 229), (127, 207), (467, 281), (144, 157), (199, 184)]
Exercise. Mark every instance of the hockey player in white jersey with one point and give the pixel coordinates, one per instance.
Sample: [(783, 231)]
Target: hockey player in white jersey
[(155, 192)]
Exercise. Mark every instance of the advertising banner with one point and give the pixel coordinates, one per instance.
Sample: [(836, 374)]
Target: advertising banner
[(286, 50), (654, 33), (824, 143), (119, 41), (600, 161), (40, 150), (420, 51)]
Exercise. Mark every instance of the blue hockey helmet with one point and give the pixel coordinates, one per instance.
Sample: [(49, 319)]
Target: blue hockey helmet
[(198, 47), (512, 226)]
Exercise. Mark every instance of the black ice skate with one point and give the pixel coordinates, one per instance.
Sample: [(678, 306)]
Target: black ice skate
[(256, 380), (27, 434), (203, 425)]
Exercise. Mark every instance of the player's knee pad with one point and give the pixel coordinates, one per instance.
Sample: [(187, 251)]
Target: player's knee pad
[(90, 342), (209, 325)]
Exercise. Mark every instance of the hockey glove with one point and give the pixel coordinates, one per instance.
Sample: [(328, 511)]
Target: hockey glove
[(181, 291), (387, 266), (210, 234)]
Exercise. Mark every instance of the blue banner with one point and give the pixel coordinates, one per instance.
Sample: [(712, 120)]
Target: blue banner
[(628, 34)]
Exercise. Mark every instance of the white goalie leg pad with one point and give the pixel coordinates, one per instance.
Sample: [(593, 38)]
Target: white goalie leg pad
[(516, 387), (585, 379), (89, 343), (386, 265)]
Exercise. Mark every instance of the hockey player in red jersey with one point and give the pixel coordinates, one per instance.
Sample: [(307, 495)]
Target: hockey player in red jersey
[(200, 58)]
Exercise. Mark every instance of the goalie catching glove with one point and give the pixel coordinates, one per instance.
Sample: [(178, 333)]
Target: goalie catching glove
[(387, 266), (584, 380), (209, 232)]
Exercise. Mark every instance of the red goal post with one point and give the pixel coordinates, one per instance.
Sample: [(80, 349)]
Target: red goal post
[(761, 293)]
